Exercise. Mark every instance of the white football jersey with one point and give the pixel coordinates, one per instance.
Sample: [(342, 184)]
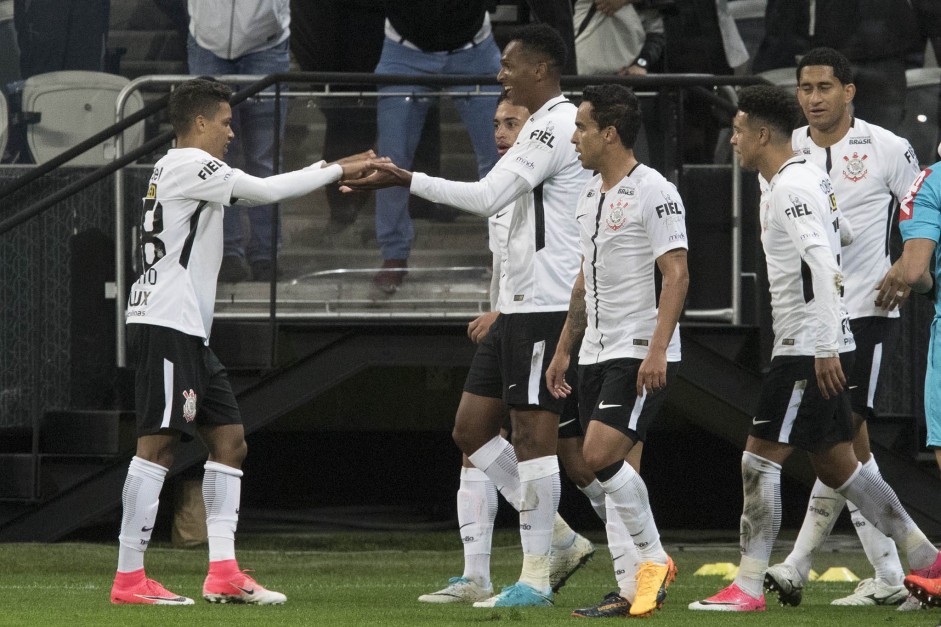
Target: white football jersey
[(623, 231), (799, 211), (180, 242), (871, 170), (542, 251)]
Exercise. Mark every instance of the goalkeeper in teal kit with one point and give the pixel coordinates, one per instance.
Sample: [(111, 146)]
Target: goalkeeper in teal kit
[(920, 223)]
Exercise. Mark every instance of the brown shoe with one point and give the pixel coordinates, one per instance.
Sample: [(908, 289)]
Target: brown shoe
[(391, 276)]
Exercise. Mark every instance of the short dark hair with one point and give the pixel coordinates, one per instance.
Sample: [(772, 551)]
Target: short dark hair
[(617, 106), (774, 105), (544, 41), (835, 59), (198, 96)]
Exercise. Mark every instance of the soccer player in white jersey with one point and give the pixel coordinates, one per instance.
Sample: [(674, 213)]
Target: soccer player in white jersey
[(477, 494), (804, 402), (541, 177), (630, 219), (181, 388), (871, 170)]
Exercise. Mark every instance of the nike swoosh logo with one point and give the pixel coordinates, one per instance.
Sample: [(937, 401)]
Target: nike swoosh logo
[(500, 215), (147, 529), (567, 422), (759, 422), (603, 405), (512, 385), (158, 598), (581, 215), (245, 590), (528, 510), (853, 387), (465, 524)]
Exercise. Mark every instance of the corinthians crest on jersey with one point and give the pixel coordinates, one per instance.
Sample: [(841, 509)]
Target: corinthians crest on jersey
[(615, 218), (854, 167)]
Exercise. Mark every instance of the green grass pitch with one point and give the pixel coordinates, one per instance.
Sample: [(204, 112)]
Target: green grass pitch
[(373, 578)]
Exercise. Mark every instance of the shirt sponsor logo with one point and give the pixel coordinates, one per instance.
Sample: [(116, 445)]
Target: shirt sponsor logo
[(678, 237), (639, 342), (668, 208), (544, 136), (807, 236), (858, 141), (590, 193), (526, 162), (855, 167), (626, 191), (797, 208), (209, 168)]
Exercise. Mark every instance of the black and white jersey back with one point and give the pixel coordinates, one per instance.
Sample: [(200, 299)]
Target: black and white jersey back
[(799, 212), (622, 233), (542, 248), (180, 241)]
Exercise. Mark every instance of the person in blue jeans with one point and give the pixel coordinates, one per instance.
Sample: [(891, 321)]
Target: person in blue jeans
[(428, 37), (245, 37)]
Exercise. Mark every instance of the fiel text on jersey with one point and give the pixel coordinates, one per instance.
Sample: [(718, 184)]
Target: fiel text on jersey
[(210, 168), (544, 137)]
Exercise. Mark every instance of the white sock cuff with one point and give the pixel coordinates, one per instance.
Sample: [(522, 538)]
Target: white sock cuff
[(871, 465), (533, 469), (484, 457), (621, 477), (846, 484), (226, 470), (760, 463), (143, 468), (473, 474), (592, 490)]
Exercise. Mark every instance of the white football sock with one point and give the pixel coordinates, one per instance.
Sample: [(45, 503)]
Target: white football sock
[(880, 506), (540, 489), (879, 548), (476, 511), (140, 499), (760, 522), (498, 460), (595, 494), (624, 554), (628, 493), (563, 536), (823, 509), (222, 490)]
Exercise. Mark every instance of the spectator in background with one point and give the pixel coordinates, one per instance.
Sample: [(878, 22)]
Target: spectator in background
[(321, 42), (56, 35), (246, 37), (428, 37), (558, 15), (622, 37), (877, 36), (702, 38)]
